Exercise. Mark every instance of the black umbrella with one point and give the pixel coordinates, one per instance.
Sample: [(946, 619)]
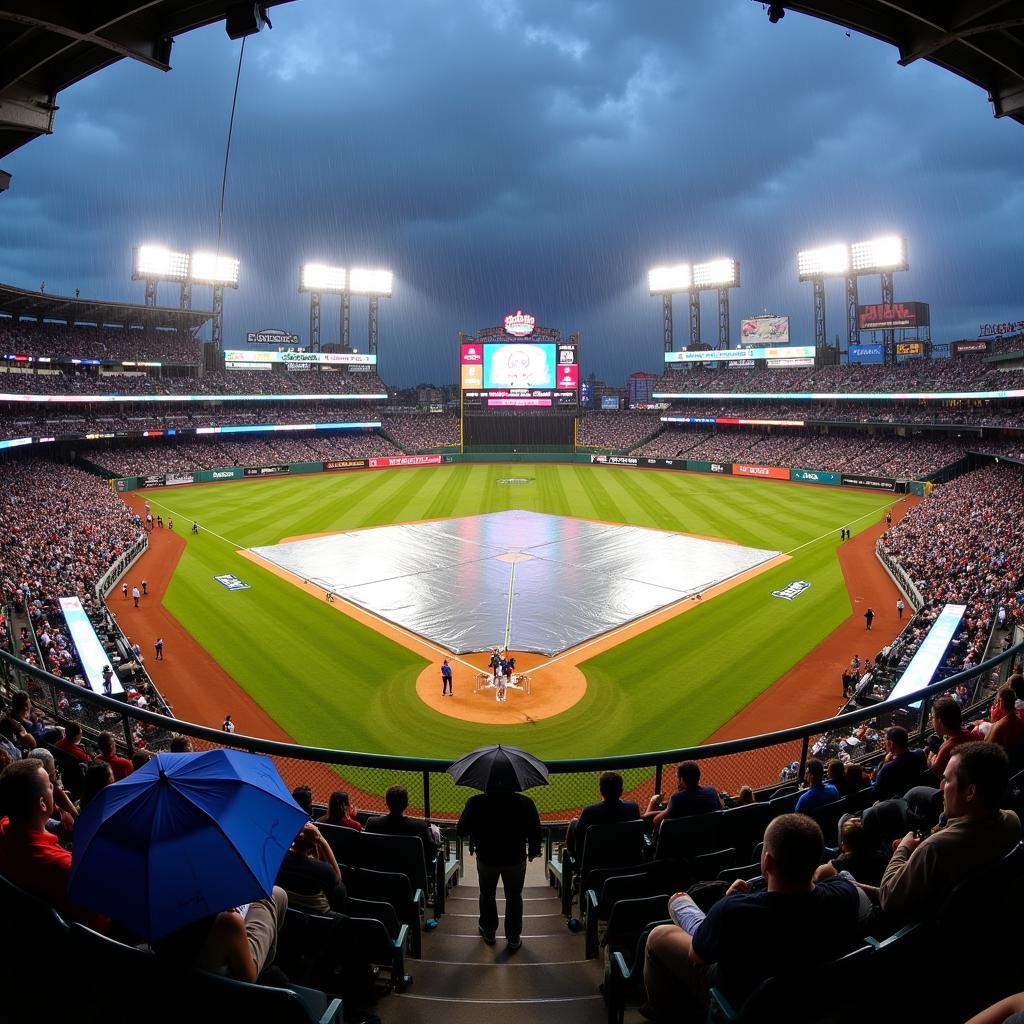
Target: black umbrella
[(499, 769)]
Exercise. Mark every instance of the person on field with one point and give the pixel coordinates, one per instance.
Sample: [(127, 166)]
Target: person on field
[(446, 679), (869, 618)]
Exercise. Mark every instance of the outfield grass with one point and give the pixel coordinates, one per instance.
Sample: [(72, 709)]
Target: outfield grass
[(332, 682)]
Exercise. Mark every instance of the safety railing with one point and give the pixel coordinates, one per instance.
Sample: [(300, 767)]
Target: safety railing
[(758, 760)]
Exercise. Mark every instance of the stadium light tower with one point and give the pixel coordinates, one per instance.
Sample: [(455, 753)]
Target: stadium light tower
[(317, 278), (155, 263), (882, 256), (667, 281), (219, 272), (720, 275), (375, 284), (815, 265)]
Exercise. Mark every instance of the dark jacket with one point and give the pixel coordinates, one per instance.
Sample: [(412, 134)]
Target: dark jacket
[(505, 827)]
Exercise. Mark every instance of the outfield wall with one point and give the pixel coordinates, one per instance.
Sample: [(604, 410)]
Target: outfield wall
[(808, 476)]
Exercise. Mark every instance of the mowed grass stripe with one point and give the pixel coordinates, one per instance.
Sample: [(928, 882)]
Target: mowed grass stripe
[(330, 681)]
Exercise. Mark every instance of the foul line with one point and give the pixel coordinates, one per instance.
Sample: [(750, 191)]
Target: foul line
[(508, 610)]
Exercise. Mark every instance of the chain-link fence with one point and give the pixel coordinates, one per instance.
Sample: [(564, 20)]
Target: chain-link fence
[(761, 762)]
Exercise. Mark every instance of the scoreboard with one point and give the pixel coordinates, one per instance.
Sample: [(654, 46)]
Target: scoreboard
[(504, 374)]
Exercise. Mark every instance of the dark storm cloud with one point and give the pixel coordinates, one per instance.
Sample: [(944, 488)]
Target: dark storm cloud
[(499, 154)]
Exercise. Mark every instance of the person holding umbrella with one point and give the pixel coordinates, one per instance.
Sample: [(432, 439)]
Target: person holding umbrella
[(505, 829)]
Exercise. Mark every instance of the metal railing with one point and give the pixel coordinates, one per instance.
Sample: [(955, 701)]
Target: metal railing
[(124, 561), (755, 760)]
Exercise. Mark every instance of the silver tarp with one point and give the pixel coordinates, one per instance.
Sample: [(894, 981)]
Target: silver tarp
[(525, 580)]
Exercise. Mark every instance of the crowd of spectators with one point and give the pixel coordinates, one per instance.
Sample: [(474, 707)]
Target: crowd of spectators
[(157, 458), (63, 341), (221, 382), (416, 431), (618, 431), (964, 545), (961, 374), (1008, 413), (870, 454), (62, 528)]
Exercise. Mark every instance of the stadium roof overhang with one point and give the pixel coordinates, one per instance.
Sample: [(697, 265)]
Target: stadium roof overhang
[(47, 45), (17, 302), (979, 40)]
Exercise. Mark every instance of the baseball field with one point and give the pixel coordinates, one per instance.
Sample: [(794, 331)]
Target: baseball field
[(330, 678)]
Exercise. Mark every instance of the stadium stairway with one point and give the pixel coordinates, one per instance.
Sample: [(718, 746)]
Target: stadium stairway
[(460, 980)]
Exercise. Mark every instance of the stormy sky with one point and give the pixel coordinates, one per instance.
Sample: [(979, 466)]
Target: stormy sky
[(507, 154)]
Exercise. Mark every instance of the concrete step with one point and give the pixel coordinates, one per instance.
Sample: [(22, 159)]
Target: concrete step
[(466, 946), (508, 977)]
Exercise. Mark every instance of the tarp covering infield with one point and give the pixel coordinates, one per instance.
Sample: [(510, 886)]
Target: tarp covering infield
[(522, 580)]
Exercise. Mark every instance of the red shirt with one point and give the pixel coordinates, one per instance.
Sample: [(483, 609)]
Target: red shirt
[(73, 749), (343, 823), (947, 748), (120, 766), (36, 862)]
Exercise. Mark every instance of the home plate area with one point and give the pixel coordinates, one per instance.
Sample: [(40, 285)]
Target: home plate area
[(518, 580)]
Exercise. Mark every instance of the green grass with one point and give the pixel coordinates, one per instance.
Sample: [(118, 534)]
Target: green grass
[(331, 682)]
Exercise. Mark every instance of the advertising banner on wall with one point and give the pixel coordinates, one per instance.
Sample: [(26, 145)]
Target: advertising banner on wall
[(875, 483), (724, 355), (404, 460), (244, 355), (153, 480), (699, 466), (909, 348), (962, 347), (227, 473), (998, 330), (815, 476), (766, 472), (179, 478), (346, 464), (265, 470)]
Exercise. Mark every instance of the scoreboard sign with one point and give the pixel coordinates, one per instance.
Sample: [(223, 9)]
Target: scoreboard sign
[(510, 374), (909, 348), (883, 316)]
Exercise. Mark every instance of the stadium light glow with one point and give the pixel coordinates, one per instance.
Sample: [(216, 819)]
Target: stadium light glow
[(664, 280), (370, 282), (722, 273), (828, 261), (157, 262), (879, 254), (318, 277), (209, 268)]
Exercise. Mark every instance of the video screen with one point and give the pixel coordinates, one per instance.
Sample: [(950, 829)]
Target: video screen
[(519, 365)]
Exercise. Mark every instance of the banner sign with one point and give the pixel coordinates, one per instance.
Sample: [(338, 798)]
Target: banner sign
[(151, 481), (767, 472), (273, 336), (708, 467), (265, 470), (346, 464), (816, 476), (759, 330), (776, 364), (615, 460), (243, 355), (404, 460), (229, 473), (884, 316), (959, 347), (795, 589), (231, 582), (724, 355), (742, 364), (909, 348), (865, 354), (997, 330), (876, 483), (180, 478)]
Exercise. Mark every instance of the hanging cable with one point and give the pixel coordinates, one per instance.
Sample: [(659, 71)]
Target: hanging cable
[(227, 147)]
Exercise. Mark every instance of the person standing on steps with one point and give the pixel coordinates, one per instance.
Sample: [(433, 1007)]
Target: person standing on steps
[(505, 829), (869, 617)]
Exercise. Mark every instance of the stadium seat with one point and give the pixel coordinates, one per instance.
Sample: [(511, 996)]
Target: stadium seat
[(26, 917), (827, 816), (123, 978), (598, 908), (685, 838), (625, 940), (707, 866), (393, 888), (741, 827), (744, 871), (604, 846)]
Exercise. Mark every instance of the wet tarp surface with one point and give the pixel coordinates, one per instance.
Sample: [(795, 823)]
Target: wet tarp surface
[(525, 580)]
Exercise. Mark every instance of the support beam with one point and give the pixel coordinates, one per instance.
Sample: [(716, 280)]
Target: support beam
[(723, 317), (889, 336), (185, 296), (314, 321), (666, 321), (346, 310), (150, 299), (217, 340), (694, 318), (818, 287), (372, 328), (852, 326)]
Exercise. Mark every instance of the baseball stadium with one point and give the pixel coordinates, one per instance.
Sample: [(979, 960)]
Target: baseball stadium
[(717, 672)]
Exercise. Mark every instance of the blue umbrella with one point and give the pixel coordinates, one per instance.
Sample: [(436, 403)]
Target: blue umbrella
[(184, 837)]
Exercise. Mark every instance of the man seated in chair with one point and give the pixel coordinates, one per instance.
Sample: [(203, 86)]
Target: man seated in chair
[(976, 834), (689, 798), (787, 926), (395, 823), (612, 808)]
